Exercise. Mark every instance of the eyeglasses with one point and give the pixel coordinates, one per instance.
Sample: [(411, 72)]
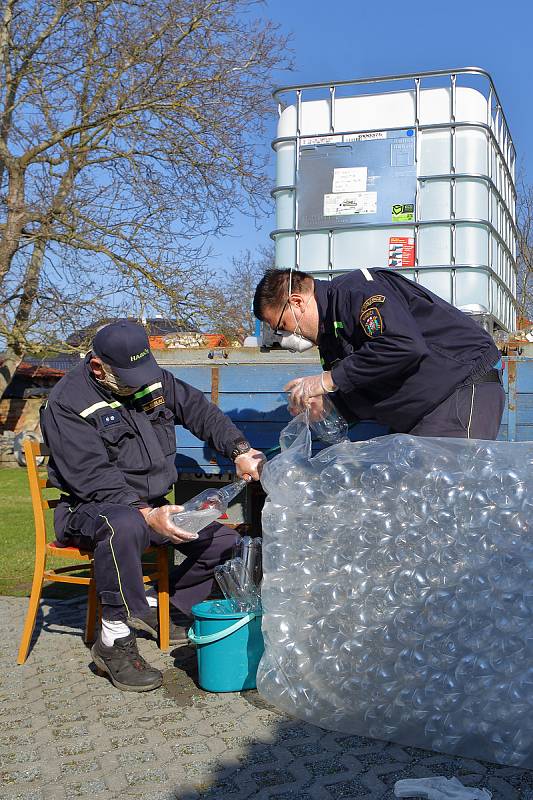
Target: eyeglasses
[(277, 330)]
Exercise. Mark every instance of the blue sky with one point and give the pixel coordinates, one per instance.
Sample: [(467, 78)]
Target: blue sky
[(346, 40)]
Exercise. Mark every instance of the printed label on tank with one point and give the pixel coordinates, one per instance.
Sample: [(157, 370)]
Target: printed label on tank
[(402, 154), (307, 140), (401, 251), (365, 137), (350, 179), (336, 205), (403, 212), (357, 181)]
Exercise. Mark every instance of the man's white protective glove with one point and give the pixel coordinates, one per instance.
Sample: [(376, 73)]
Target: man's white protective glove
[(302, 390), (439, 788)]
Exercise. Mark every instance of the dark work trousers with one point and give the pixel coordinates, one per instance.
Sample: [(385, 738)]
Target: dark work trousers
[(119, 535), (473, 411)]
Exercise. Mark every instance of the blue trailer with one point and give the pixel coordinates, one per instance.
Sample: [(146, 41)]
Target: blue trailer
[(247, 384), (517, 422)]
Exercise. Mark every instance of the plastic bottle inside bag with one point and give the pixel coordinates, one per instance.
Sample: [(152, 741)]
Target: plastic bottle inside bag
[(206, 507), (328, 425)]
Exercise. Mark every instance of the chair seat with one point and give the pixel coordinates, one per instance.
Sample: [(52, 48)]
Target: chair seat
[(70, 551), (154, 570), (58, 549)]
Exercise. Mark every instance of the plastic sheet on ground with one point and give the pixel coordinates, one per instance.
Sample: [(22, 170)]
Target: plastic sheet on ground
[(398, 591)]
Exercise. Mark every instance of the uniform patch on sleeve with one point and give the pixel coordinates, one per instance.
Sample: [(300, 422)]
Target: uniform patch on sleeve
[(371, 322), (375, 300), (154, 403), (110, 418)]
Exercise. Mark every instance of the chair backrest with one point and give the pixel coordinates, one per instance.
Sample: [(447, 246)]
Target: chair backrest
[(33, 450)]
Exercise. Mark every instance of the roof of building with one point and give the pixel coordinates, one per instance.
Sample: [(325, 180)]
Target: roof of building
[(154, 326)]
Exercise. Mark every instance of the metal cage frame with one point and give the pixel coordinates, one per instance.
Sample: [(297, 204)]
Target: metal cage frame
[(501, 184)]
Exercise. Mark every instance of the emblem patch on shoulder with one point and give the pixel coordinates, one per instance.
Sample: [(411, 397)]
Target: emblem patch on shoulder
[(110, 418), (371, 322), (375, 300)]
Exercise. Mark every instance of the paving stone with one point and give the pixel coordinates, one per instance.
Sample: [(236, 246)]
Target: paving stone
[(136, 757), (290, 795), (192, 748), (219, 790), (75, 748), (149, 776), (128, 739), (305, 749), (26, 755), (262, 755), (272, 777), (13, 738), (238, 742), (331, 766), (70, 731), (84, 738), (194, 770), (22, 795), (348, 789), (87, 788), (21, 775), (78, 767)]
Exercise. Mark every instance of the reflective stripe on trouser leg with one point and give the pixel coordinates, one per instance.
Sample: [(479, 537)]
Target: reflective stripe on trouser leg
[(471, 411), (122, 536), (117, 566), (466, 413), (115, 562)]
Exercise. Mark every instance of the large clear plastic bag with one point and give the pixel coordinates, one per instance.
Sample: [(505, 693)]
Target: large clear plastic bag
[(398, 591)]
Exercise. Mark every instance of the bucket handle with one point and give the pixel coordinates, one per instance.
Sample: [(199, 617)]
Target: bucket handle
[(214, 637)]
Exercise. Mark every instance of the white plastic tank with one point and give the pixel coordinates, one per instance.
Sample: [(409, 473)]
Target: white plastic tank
[(411, 172)]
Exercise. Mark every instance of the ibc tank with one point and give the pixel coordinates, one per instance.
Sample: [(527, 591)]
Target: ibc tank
[(413, 172)]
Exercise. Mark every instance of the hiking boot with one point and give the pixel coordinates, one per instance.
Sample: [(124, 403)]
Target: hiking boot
[(125, 666), (149, 623)]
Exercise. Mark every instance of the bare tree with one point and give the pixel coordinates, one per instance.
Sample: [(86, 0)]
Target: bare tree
[(524, 213), (128, 135), (229, 299)]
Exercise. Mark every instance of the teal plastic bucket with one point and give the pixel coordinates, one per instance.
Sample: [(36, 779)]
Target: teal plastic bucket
[(229, 646)]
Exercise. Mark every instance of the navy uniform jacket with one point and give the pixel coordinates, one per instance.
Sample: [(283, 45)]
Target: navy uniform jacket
[(395, 350), (109, 449)]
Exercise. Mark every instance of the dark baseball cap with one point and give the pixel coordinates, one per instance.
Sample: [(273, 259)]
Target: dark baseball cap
[(124, 346)]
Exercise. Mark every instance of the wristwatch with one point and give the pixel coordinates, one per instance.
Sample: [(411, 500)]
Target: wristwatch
[(240, 448)]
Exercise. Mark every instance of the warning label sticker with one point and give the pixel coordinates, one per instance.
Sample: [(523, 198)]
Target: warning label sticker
[(401, 251), (350, 179), (403, 212), (337, 205)]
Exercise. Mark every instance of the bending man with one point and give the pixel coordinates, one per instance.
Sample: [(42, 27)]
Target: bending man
[(391, 351)]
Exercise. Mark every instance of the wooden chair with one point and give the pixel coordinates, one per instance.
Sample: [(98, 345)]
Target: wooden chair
[(157, 571)]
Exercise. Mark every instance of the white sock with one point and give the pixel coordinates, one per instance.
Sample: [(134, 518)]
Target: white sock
[(152, 601), (113, 629)]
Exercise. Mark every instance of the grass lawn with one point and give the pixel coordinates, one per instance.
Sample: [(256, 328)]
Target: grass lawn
[(17, 538)]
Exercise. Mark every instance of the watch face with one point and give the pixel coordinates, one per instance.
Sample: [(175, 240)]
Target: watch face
[(241, 449)]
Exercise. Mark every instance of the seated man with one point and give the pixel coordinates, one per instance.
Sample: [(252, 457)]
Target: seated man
[(109, 424)]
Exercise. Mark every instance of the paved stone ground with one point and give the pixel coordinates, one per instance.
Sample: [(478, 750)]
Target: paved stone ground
[(67, 733)]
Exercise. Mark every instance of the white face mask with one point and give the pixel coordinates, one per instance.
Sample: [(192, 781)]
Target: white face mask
[(294, 341), (114, 384)]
